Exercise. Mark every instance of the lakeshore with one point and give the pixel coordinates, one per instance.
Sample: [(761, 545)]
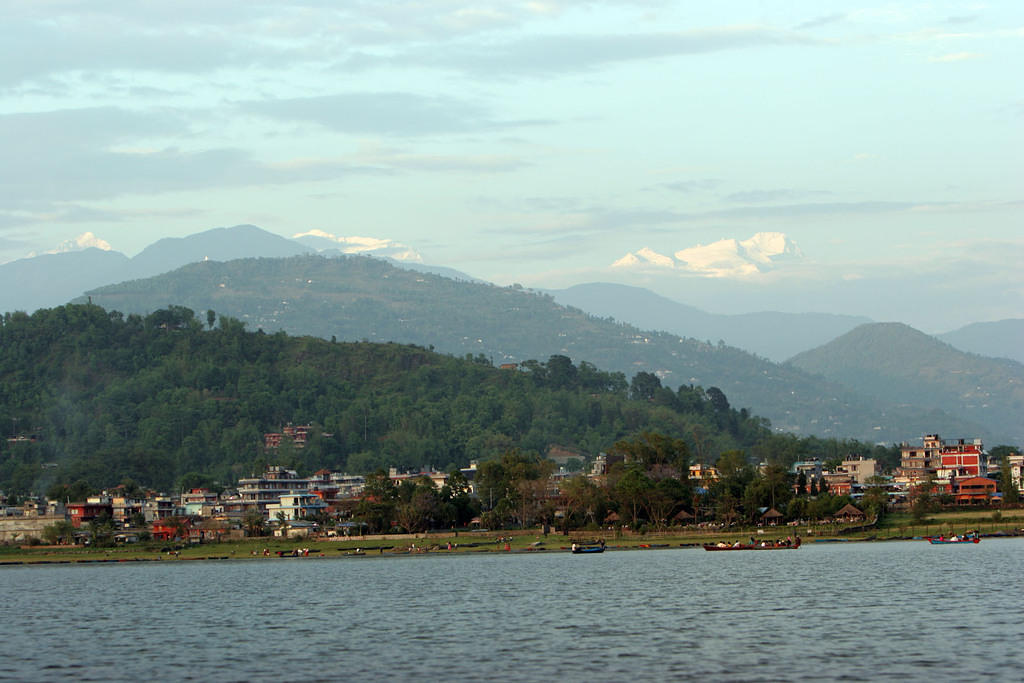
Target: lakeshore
[(1006, 523)]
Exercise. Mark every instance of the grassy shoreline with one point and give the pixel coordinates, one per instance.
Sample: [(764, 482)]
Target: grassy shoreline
[(896, 526)]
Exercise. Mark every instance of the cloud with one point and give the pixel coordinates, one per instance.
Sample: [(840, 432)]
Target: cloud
[(355, 244), (57, 157), (962, 19), (956, 57), (399, 160), (824, 20), (384, 113), (701, 184), (63, 40), (728, 258), (768, 196), (549, 54)]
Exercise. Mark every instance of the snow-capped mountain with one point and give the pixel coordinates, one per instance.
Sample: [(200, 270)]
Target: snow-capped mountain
[(724, 258), (373, 246)]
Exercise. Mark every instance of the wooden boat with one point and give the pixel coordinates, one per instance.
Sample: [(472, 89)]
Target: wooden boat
[(588, 549), (949, 541), (754, 546)]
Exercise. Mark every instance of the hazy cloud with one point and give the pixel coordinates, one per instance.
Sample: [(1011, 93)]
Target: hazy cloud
[(824, 20), (702, 184), (80, 154), (955, 57), (566, 53), (767, 196), (94, 41), (963, 19), (408, 161), (382, 113)]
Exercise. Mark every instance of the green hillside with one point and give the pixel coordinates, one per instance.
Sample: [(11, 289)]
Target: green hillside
[(170, 399), (359, 298), (896, 363)]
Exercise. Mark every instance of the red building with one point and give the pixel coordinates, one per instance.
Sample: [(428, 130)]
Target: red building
[(951, 458), (975, 491), (962, 459), (169, 528), (298, 434), (83, 513)]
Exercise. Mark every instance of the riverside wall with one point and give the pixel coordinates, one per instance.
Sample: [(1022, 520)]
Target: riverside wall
[(21, 528)]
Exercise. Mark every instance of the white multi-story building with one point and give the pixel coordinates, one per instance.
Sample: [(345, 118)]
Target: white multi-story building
[(259, 492), (297, 506)]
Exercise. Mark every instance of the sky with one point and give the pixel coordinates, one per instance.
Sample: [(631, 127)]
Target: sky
[(738, 156)]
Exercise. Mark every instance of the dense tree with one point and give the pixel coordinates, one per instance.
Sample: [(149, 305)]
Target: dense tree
[(62, 532), (644, 386), (171, 404), (1011, 495), (253, 523)]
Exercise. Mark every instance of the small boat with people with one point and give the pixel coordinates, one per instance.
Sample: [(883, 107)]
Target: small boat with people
[(784, 544), (941, 539)]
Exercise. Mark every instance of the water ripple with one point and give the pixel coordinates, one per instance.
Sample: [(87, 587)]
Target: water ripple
[(845, 612)]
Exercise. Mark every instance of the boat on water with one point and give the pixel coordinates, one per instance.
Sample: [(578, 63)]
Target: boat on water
[(588, 549), (592, 547), (970, 537), (765, 545)]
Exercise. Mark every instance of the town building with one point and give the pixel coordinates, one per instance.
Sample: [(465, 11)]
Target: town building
[(861, 469), (294, 506), (811, 469), (171, 528), (297, 434), (838, 483), (259, 492), (94, 507), (123, 508), (976, 491), (199, 502), (705, 473), (160, 507), (936, 458), (1016, 463), (603, 463), (960, 458)]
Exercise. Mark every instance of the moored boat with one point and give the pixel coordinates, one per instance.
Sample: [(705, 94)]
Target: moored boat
[(592, 547)]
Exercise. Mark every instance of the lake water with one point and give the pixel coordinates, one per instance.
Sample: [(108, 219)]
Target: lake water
[(852, 612)]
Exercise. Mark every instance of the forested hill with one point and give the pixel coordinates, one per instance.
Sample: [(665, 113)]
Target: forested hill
[(898, 362), (360, 298), (171, 399)]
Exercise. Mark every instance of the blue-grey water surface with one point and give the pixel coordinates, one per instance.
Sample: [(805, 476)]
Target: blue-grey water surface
[(853, 612)]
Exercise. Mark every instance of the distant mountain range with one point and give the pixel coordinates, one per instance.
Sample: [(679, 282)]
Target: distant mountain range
[(356, 298), (54, 279), (1002, 339), (776, 336)]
